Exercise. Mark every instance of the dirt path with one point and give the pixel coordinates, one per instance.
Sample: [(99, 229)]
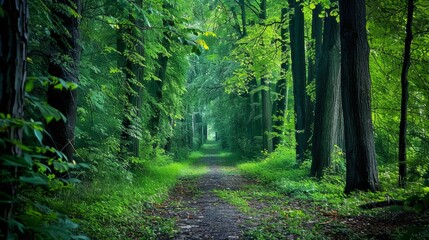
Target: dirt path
[(199, 212)]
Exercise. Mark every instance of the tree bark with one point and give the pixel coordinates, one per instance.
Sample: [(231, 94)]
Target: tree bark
[(61, 134), (402, 156), (313, 60), (266, 116), (328, 112), (13, 64), (362, 171), (296, 28)]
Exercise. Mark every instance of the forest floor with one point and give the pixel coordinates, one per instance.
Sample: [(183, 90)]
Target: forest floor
[(222, 204)]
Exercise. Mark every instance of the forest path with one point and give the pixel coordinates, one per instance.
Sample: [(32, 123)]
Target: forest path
[(200, 213), (222, 204)]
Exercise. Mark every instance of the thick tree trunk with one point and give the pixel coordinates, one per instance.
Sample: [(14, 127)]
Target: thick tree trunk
[(296, 27), (362, 171), (328, 114), (402, 156), (313, 60), (13, 55), (61, 134), (279, 108)]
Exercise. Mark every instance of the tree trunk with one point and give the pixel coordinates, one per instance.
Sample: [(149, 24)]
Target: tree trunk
[(205, 131), (249, 97), (256, 115), (267, 142), (296, 27), (362, 171), (402, 156), (266, 116), (328, 112), (133, 91), (198, 129), (13, 65), (313, 60), (155, 86), (279, 108), (61, 134), (243, 18)]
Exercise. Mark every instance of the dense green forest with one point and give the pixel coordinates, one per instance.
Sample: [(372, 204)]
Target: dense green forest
[(214, 119)]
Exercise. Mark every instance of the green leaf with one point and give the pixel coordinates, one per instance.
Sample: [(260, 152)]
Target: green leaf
[(38, 135), (43, 167), (29, 85), (72, 85), (35, 180), (58, 86), (13, 161), (146, 20), (16, 224), (48, 112), (71, 180), (312, 6), (21, 145), (84, 165), (61, 166)]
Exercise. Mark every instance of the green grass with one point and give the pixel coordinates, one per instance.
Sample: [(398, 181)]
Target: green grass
[(306, 198), (123, 207), (236, 198)]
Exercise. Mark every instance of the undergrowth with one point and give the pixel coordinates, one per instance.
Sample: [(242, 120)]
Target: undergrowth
[(122, 207), (306, 201)]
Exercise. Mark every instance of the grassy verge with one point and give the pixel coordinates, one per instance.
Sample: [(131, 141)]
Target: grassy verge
[(289, 203), (122, 208)]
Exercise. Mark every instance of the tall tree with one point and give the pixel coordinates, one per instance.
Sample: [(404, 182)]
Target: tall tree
[(328, 123), (296, 28), (313, 60), (362, 173), (267, 141), (402, 156), (155, 87), (252, 123), (282, 88), (13, 61), (64, 65), (129, 142)]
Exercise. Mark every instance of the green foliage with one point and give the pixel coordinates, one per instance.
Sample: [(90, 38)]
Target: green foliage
[(387, 45), (213, 69), (38, 168), (280, 171), (115, 206)]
